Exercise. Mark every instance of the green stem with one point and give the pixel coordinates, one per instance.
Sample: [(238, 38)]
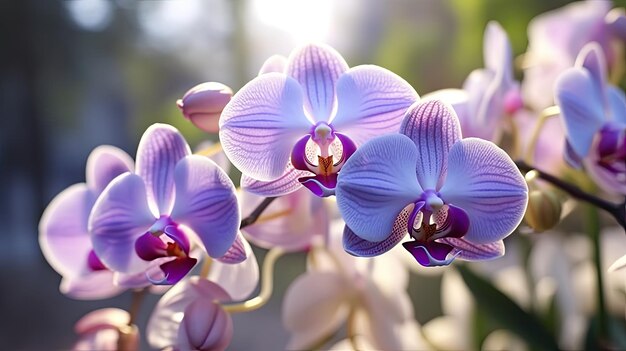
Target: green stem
[(593, 228)]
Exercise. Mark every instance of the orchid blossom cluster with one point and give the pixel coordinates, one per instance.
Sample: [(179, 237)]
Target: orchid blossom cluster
[(343, 164)]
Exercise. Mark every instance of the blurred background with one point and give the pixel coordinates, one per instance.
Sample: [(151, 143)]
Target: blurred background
[(77, 74)]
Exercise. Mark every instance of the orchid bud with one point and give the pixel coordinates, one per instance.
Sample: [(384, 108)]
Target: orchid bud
[(544, 209), (203, 105), (205, 326), (106, 329)]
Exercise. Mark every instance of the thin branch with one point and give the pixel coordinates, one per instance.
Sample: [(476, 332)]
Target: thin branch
[(256, 213), (618, 211)]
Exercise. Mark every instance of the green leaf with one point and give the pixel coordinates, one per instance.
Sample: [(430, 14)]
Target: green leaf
[(506, 312)]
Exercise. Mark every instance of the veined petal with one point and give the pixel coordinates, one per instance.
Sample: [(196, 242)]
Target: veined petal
[(582, 114), (371, 102), (104, 164), (469, 251), (356, 246), (261, 123), (376, 183), (283, 185), (433, 126), (160, 148), (239, 280), (236, 253), (119, 216), (63, 235), (275, 63), (484, 182), (317, 67), (206, 203), (321, 313)]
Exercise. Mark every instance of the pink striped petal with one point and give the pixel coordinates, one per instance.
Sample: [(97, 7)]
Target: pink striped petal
[(261, 124), (356, 246), (160, 148), (470, 251), (317, 67), (236, 253), (371, 102), (206, 203), (120, 216), (484, 182), (104, 164), (434, 128), (283, 185), (239, 280)]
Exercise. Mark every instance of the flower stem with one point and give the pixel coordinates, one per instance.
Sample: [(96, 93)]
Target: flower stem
[(206, 266), (547, 113), (593, 228), (135, 304), (618, 211), (257, 212), (211, 150), (267, 285), (350, 329)]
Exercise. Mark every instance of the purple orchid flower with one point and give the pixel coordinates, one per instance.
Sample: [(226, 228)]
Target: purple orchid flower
[(455, 197), (594, 114), (556, 37), (153, 214), (300, 126), (489, 93), (63, 234)]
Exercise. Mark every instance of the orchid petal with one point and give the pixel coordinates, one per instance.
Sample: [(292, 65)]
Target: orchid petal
[(616, 20), (571, 157), (92, 286), (434, 128), (617, 104), (284, 185), (470, 251), (290, 222), (63, 235), (497, 51), (275, 63), (324, 308), (430, 254), (236, 253), (322, 186), (206, 203), (261, 123), (174, 270), (582, 115), (104, 164), (376, 183), (592, 58), (239, 280), (483, 181), (317, 67), (119, 216), (356, 246), (160, 148), (162, 328), (371, 102)]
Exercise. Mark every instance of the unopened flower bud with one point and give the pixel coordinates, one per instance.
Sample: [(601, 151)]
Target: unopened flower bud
[(544, 210), (203, 105), (205, 326)]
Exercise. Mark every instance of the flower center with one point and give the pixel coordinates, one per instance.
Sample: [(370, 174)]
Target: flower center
[(151, 246), (433, 219), (612, 150)]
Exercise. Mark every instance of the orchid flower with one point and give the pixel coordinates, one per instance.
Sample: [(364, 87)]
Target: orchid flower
[(556, 37), (106, 329), (292, 222), (594, 115), (189, 317), (335, 284), (300, 126), (63, 234), (455, 197), (488, 94), (152, 214)]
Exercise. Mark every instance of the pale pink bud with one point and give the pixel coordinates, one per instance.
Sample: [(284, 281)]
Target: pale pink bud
[(106, 329), (203, 105), (205, 326)]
